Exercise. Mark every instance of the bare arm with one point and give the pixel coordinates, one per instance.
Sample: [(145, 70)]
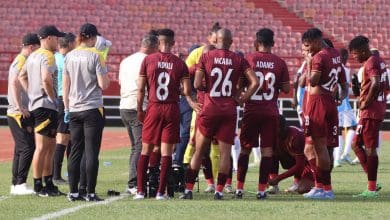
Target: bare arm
[(286, 87), (253, 84), (47, 84), (103, 81), (344, 91), (294, 102), (65, 90), (23, 79), (140, 98), (187, 93), (372, 92), (16, 89), (198, 81)]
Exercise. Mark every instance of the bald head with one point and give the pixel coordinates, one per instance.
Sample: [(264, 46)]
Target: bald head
[(224, 38)]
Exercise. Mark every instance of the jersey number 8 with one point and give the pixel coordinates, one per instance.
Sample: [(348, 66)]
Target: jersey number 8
[(162, 89)]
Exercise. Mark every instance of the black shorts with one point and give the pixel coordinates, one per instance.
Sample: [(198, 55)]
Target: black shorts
[(63, 127), (45, 121)]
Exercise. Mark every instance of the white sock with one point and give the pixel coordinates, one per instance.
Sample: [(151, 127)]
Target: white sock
[(74, 194), (348, 141), (236, 152), (256, 153), (337, 150), (187, 191)]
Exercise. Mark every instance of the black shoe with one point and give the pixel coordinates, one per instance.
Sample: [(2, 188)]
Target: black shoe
[(93, 198), (53, 191), (218, 196), (42, 192), (260, 196), (238, 195), (60, 181), (74, 198), (187, 195), (82, 192)]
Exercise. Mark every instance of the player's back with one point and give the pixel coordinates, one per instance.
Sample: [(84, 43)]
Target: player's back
[(272, 73), (164, 72), (328, 62), (223, 69)]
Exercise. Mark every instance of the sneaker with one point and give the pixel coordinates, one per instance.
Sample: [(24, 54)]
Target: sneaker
[(132, 190), (72, 198), (367, 194), (378, 187), (315, 193), (346, 159), (60, 181), (53, 191), (355, 161), (336, 163), (210, 189), (21, 189), (161, 197), (238, 195), (261, 195), (273, 189), (186, 195), (82, 192), (229, 189), (292, 189), (329, 194), (42, 192), (92, 197), (218, 196), (139, 196)]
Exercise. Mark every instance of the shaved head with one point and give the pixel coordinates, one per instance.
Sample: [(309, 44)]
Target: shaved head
[(224, 38)]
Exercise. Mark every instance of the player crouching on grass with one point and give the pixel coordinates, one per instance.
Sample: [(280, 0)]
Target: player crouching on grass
[(372, 106), (290, 152)]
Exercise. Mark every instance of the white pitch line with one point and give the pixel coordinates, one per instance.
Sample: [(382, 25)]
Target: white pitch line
[(63, 212), (3, 198)]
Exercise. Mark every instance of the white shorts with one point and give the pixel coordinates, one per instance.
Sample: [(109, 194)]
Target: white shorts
[(347, 119)]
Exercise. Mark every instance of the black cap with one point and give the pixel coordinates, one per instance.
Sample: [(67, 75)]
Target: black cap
[(88, 30), (30, 39), (49, 30)]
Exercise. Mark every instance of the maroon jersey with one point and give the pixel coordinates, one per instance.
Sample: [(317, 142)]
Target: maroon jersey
[(272, 73), (222, 69), (294, 144), (164, 72), (374, 66), (328, 62)]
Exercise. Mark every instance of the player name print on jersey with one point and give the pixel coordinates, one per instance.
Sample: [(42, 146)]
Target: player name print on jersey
[(223, 61), (266, 65), (336, 60), (165, 65)]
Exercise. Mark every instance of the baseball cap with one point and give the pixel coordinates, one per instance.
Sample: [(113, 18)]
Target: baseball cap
[(49, 30), (88, 30), (30, 39)]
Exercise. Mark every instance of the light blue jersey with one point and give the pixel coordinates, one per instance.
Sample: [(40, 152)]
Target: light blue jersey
[(345, 105), (60, 59)]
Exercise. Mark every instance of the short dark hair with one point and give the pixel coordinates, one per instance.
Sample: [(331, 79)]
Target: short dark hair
[(153, 32), (66, 40), (166, 32), (265, 36), (358, 43), (328, 42), (216, 27), (312, 34)]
